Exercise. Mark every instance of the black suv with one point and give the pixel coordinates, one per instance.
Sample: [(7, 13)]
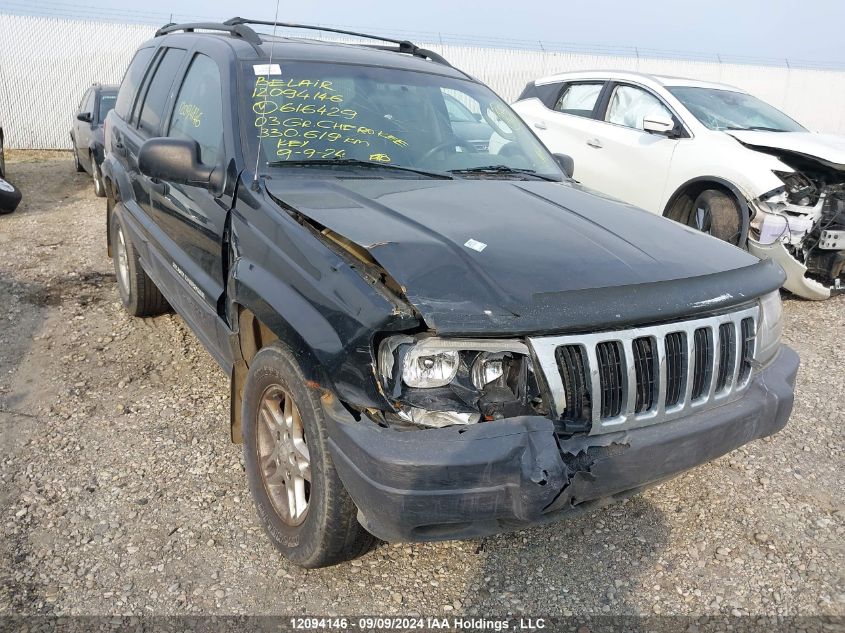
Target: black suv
[(427, 339), (87, 131)]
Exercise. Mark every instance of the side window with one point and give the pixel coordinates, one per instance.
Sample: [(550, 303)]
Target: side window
[(629, 106), (89, 102), (131, 81), (106, 106), (198, 114), (579, 99), (159, 89), (84, 100)]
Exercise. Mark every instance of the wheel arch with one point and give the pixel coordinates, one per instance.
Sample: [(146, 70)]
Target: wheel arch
[(257, 326), (685, 195)]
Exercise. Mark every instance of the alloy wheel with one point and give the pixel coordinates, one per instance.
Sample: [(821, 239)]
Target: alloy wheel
[(122, 260), (285, 463)]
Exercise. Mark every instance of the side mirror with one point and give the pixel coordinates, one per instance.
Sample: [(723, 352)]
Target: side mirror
[(566, 163), (658, 124), (85, 117), (177, 161)]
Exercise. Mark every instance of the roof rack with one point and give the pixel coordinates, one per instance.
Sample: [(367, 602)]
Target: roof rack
[(238, 30), (403, 46)]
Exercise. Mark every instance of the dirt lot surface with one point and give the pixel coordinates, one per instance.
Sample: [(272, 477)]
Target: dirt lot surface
[(121, 493)]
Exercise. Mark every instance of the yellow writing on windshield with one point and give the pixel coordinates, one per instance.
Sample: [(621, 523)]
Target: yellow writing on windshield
[(307, 119)]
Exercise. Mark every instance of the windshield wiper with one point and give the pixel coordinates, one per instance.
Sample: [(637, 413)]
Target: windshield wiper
[(501, 169), (761, 128), (354, 162)]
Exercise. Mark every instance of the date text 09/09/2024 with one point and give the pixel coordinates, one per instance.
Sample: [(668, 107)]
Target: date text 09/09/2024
[(405, 623)]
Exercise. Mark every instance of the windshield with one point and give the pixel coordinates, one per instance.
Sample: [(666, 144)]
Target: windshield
[(312, 113), (729, 110)]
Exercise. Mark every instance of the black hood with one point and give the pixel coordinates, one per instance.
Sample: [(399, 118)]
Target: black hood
[(524, 256)]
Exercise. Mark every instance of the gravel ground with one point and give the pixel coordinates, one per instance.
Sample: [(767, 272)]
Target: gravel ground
[(120, 492)]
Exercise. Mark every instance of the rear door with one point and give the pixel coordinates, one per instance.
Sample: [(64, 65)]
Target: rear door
[(566, 124), (635, 163), (191, 220)]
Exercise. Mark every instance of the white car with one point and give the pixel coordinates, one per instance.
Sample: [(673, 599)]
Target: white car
[(707, 155)]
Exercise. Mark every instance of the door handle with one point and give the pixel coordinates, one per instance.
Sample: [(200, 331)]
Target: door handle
[(119, 148), (594, 142), (540, 125)]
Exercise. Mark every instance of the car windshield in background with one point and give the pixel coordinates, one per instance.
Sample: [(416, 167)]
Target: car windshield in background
[(106, 105), (729, 110), (313, 114)]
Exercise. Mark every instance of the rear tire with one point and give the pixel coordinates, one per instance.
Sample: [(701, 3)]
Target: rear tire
[(716, 213), (97, 175), (138, 293), (300, 500), (76, 164)]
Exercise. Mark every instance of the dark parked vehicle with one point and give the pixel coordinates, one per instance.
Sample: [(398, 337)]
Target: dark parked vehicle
[(87, 131), (425, 340), (10, 196)]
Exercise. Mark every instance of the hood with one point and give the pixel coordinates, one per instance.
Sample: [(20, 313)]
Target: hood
[(826, 148), (476, 255)]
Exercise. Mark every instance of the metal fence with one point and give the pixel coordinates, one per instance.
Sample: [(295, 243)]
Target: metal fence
[(46, 64)]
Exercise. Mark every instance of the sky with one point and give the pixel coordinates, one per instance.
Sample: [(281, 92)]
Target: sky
[(772, 29)]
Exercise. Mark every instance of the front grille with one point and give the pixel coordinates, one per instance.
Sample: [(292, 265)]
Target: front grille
[(749, 337), (644, 364), (727, 355), (676, 367), (703, 370), (640, 376), (573, 372), (610, 378)]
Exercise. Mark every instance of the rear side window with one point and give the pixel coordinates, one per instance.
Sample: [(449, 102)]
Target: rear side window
[(579, 99), (198, 115), (159, 89), (106, 106), (131, 81)]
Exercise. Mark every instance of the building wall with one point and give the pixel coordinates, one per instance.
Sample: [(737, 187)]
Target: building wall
[(46, 64)]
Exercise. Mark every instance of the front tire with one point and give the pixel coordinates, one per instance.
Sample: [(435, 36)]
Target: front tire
[(300, 500), (10, 197), (138, 293), (716, 213)]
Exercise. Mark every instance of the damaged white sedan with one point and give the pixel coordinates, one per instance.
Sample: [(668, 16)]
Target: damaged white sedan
[(709, 156)]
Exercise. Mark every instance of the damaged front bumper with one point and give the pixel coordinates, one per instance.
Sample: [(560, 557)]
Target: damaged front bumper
[(797, 281), (471, 481)]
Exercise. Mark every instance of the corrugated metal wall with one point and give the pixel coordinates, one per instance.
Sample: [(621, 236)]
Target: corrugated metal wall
[(46, 64)]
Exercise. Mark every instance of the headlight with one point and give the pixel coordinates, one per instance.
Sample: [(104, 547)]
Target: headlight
[(769, 327), (429, 368), (434, 362)]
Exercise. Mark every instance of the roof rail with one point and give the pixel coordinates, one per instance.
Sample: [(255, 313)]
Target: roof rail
[(403, 46), (238, 30)]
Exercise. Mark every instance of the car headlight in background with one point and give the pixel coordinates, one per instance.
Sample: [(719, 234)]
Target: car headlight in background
[(769, 327)]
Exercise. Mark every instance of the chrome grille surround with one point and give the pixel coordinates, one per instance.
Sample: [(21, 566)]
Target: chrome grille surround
[(740, 322)]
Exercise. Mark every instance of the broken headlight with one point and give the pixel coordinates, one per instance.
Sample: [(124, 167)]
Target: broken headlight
[(769, 327), (433, 381)]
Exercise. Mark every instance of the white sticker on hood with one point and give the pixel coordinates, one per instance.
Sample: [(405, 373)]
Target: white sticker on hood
[(267, 69), (6, 186), (475, 245)]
